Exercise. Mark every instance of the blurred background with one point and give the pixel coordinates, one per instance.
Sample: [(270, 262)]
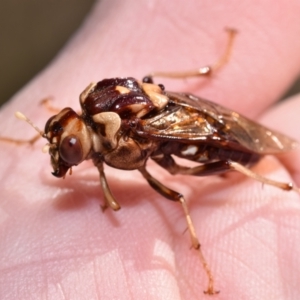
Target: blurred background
[(32, 32)]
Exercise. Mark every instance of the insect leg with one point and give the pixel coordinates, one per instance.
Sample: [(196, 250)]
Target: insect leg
[(20, 142), (219, 167), (175, 196), (109, 199), (223, 166), (202, 71), (281, 185), (214, 168), (47, 104)]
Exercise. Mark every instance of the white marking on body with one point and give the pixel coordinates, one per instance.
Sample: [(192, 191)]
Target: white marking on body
[(46, 148), (154, 92), (159, 100), (111, 120), (150, 87), (122, 89), (190, 150), (112, 123), (87, 91)]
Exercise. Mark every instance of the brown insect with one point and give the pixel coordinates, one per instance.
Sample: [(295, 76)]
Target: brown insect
[(125, 122)]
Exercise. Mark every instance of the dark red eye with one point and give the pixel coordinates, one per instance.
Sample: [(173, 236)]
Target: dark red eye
[(70, 150)]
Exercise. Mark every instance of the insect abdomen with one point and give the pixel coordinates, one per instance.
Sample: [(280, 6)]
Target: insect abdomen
[(204, 153)]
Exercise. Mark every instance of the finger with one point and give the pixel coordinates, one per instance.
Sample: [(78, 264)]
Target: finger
[(284, 117), (93, 55)]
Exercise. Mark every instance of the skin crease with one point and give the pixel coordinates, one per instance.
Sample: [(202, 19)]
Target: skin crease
[(56, 243)]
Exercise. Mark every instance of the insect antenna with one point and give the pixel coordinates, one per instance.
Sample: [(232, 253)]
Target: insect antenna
[(22, 117), (31, 141)]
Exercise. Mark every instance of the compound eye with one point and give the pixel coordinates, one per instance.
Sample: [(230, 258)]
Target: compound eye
[(70, 150)]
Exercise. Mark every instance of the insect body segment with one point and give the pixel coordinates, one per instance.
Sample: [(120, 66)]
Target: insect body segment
[(103, 131), (125, 96), (69, 139)]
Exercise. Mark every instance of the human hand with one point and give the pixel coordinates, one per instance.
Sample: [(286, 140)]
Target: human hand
[(56, 243)]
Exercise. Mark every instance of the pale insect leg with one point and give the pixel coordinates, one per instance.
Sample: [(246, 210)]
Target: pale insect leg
[(219, 167), (109, 199), (20, 142), (46, 103), (202, 71), (175, 196), (287, 186)]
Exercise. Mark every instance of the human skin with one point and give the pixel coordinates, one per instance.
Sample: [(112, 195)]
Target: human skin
[(55, 241)]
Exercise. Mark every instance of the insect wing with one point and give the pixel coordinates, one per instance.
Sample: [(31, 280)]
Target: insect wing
[(178, 122), (197, 119), (258, 138)]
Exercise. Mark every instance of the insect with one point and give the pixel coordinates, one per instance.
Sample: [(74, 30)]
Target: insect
[(126, 122)]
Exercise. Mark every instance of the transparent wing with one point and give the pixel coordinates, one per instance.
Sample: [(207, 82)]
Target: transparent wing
[(190, 118)]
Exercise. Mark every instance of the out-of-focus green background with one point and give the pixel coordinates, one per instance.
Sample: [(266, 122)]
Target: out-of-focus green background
[(32, 32)]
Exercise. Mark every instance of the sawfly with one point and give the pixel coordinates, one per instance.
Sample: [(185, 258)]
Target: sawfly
[(126, 122)]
